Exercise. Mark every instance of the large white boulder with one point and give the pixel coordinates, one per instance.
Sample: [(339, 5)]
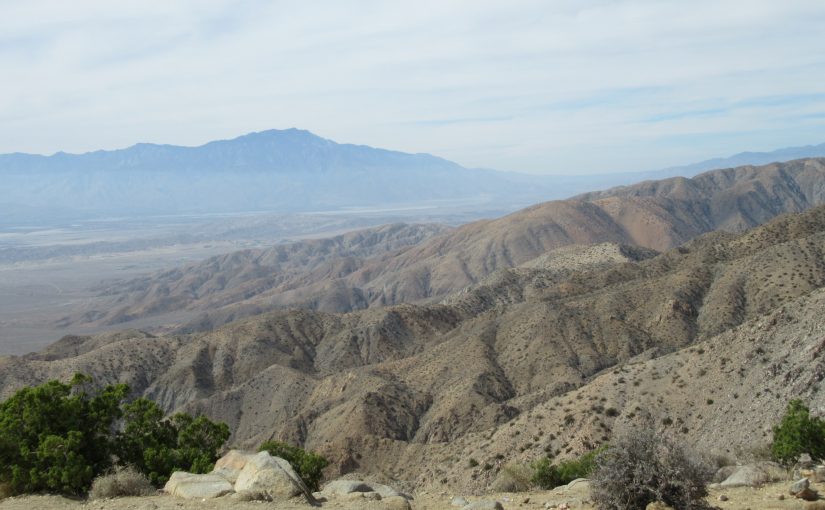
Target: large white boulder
[(269, 477), (192, 486)]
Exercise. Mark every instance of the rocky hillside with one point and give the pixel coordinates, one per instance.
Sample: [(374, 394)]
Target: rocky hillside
[(707, 340), (657, 215)]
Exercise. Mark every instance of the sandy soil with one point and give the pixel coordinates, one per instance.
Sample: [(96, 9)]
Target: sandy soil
[(767, 497)]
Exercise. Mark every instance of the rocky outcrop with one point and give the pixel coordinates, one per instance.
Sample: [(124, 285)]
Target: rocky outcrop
[(254, 476), (194, 486)]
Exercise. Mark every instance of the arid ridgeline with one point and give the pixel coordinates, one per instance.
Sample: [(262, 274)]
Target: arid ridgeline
[(414, 264), (708, 340)]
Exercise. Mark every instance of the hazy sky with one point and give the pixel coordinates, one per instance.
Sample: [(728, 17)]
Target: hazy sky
[(536, 86)]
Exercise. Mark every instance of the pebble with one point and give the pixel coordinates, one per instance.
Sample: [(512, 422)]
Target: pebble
[(723, 498)]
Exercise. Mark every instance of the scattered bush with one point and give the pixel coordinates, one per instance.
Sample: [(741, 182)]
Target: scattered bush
[(308, 465), (472, 462), (643, 467), (58, 437), (512, 478), (548, 476), (798, 433), (123, 481)]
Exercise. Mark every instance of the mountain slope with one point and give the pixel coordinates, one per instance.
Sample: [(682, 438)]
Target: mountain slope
[(656, 215), (383, 389)]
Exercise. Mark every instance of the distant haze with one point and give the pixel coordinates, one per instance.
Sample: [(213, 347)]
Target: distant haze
[(562, 87), (285, 171)]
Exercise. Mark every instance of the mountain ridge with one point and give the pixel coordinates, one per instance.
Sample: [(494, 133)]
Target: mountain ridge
[(657, 215), (380, 390)]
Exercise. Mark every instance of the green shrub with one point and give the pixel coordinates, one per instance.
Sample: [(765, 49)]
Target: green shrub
[(548, 476), (798, 433), (58, 437), (308, 465), (158, 447)]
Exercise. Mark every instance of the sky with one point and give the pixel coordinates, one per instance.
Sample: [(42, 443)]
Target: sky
[(551, 86)]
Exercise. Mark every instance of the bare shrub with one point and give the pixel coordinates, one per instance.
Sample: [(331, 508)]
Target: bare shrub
[(645, 466), (123, 481), (513, 478)]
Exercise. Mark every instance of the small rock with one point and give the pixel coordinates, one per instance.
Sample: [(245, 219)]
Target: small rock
[(819, 474), (525, 501), (458, 501), (799, 486), (723, 498), (781, 497)]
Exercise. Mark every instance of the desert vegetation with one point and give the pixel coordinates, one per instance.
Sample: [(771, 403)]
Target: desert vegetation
[(798, 433), (58, 438), (308, 465), (643, 467)]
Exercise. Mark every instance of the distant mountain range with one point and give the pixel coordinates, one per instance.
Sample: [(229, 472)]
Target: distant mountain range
[(281, 171), (285, 171)]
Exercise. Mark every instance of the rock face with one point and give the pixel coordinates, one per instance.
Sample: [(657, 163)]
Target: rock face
[(258, 476), (230, 465), (192, 486), (269, 477)]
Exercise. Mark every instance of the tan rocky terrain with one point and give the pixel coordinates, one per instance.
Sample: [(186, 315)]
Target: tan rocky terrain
[(739, 498), (404, 264), (707, 341)]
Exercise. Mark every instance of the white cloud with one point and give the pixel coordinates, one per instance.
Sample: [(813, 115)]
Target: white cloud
[(523, 85)]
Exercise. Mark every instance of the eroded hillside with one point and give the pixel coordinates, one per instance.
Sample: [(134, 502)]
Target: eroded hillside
[(528, 359), (410, 265)]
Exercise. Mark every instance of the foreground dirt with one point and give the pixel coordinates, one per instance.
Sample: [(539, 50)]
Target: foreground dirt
[(740, 498)]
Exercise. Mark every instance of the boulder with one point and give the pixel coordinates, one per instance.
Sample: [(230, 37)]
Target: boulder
[(270, 478), (192, 486), (723, 473), (343, 487), (583, 482), (802, 490), (751, 475), (387, 492), (230, 465)]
